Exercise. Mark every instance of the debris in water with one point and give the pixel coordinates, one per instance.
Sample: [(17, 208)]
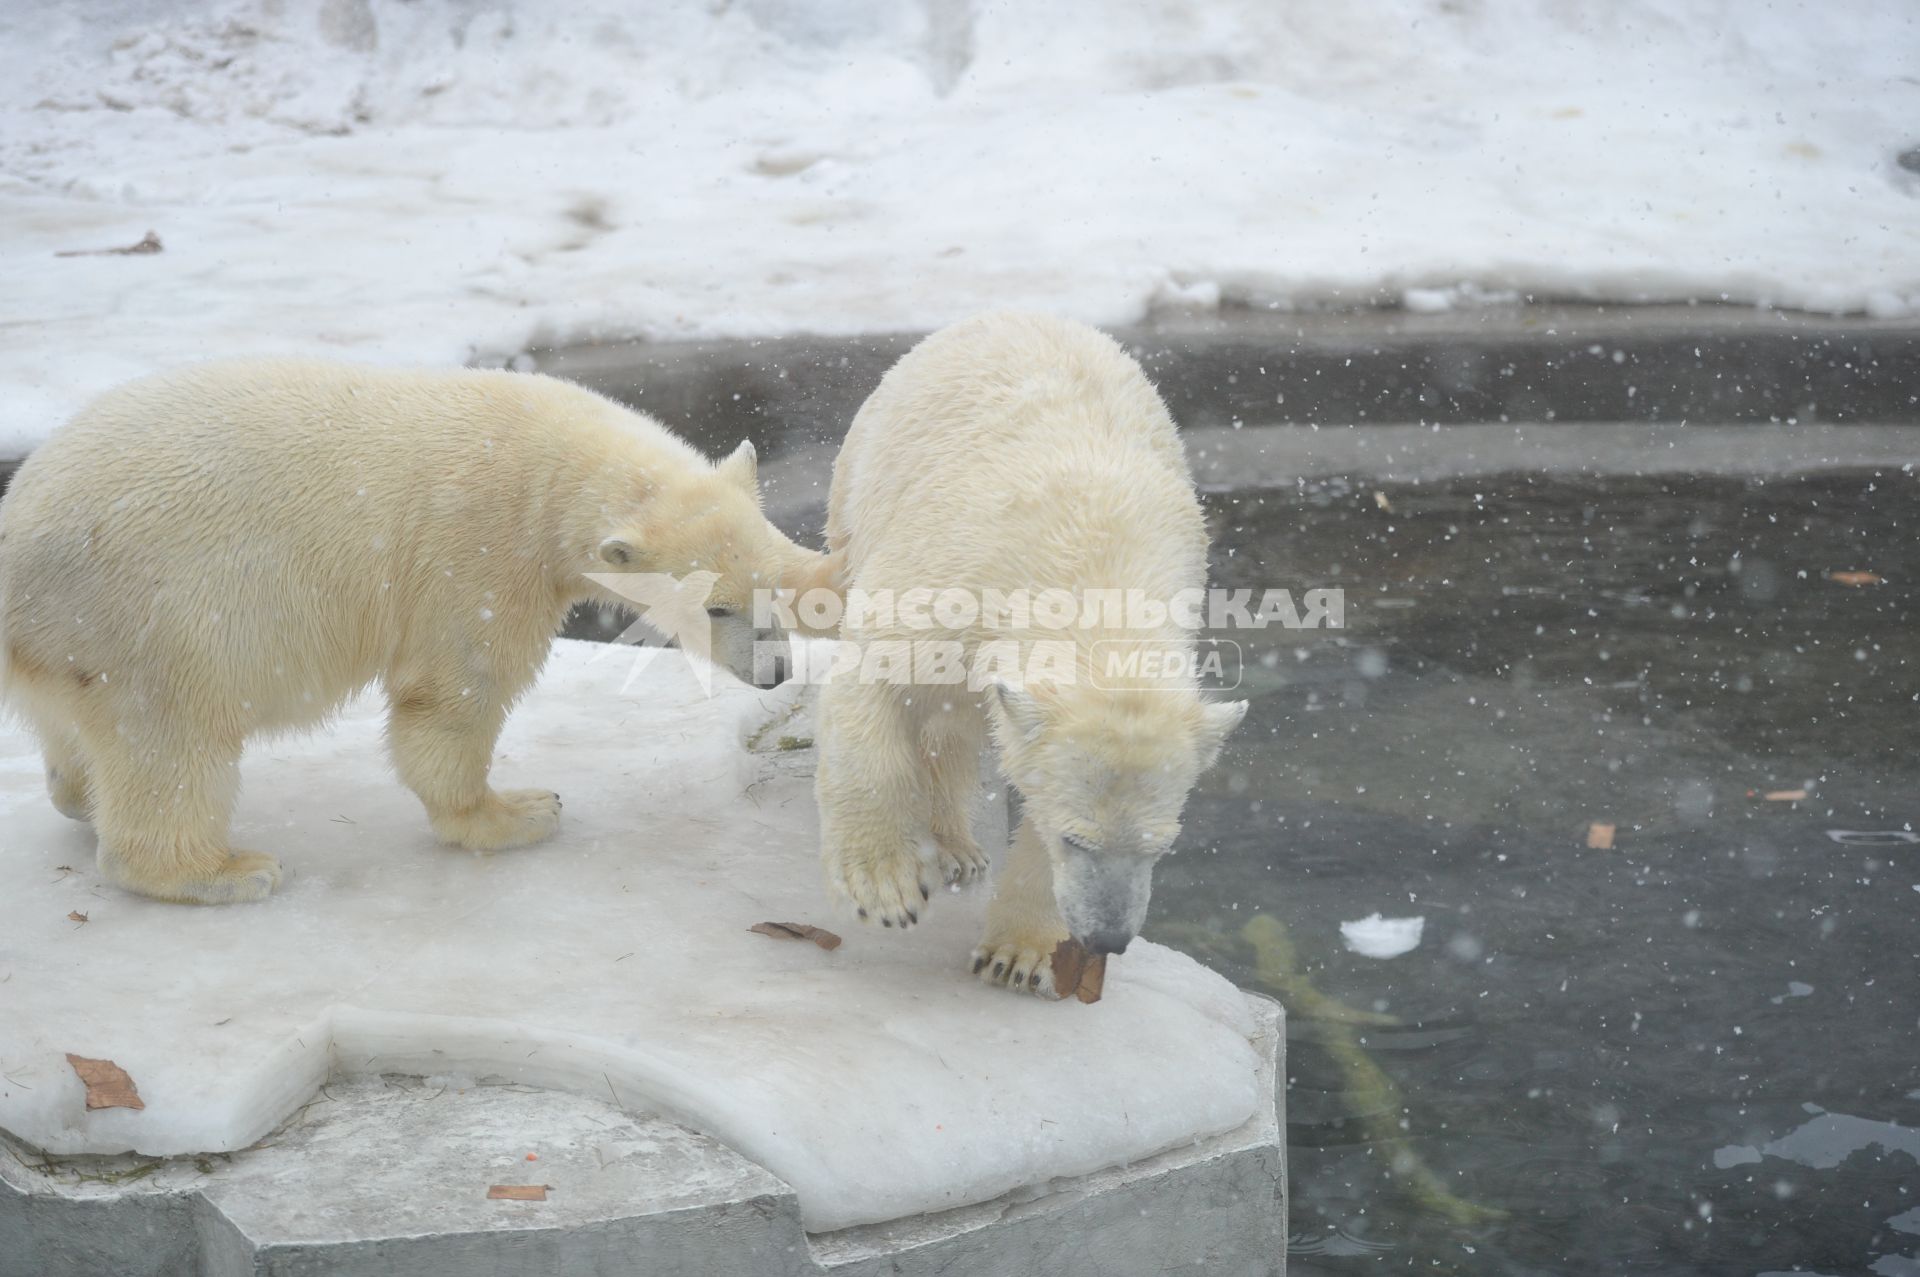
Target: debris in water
[(1365, 1088), (517, 1193), (1600, 836)]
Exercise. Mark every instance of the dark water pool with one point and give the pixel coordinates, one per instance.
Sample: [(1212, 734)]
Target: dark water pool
[(1694, 1051)]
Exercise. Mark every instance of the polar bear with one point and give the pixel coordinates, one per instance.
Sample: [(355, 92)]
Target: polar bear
[(237, 547), (1012, 452)]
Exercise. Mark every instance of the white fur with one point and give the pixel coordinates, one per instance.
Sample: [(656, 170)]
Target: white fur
[(1006, 452), (236, 548)]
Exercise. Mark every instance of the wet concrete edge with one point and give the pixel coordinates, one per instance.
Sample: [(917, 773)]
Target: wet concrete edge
[(1540, 364), (1563, 363)]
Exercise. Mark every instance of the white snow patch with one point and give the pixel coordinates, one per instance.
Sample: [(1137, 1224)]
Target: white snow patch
[(879, 1080), (1376, 937), (444, 181)]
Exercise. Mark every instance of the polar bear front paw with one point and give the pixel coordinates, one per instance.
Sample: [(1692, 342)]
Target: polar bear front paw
[(1022, 965), (888, 889), (961, 865), (504, 819), (1019, 956)]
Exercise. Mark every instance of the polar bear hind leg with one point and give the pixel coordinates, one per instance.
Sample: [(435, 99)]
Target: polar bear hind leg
[(67, 771), (952, 739), (160, 803)]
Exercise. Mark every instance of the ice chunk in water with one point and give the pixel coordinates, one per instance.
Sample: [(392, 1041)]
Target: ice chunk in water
[(1376, 937)]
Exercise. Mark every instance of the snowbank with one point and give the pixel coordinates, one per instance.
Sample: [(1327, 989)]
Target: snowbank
[(450, 179)]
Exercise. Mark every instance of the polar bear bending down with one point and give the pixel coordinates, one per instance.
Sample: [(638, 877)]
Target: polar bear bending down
[(238, 547), (1008, 453)]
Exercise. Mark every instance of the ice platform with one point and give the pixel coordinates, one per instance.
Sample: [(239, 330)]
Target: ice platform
[(334, 1079)]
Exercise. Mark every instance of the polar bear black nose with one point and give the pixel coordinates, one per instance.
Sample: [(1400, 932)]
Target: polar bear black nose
[(1115, 941)]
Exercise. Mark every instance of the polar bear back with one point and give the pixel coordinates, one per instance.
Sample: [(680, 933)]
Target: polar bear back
[(1016, 451), (281, 528), (269, 429)]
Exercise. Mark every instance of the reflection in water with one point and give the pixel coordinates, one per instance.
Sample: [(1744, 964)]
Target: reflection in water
[(1826, 1141), (1336, 1241), (1367, 1090)]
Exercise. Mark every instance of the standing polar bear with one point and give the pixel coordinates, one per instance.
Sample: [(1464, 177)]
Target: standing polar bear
[(238, 547), (1014, 453)]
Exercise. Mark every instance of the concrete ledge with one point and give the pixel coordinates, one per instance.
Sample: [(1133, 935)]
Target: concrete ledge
[(1700, 363), (388, 1177), (1218, 1206), (1507, 363)]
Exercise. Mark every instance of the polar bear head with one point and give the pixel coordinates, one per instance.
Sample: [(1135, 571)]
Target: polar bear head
[(704, 536), (1104, 774)]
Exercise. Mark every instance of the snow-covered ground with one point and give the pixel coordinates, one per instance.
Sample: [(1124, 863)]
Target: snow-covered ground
[(454, 179), (880, 1079)]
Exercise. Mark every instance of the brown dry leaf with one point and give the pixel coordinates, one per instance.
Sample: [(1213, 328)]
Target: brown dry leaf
[(797, 931), (1856, 578), (150, 243), (1093, 980), (76, 916), (517, 1193), (108, 1086), (1600, 836), (1785, 795), (1078, 973)]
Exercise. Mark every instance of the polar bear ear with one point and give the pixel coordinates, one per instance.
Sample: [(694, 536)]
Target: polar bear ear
[(1217, 719), (742, 467), (1021, 710), (618, 551)]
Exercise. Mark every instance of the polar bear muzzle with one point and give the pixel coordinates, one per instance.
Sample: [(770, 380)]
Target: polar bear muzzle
[(1102, 896)]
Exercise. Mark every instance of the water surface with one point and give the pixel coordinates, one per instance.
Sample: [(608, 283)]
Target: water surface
[(1696, 1051)]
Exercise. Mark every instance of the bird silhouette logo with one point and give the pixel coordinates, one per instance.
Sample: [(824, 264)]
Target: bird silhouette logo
[(672, 612)]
